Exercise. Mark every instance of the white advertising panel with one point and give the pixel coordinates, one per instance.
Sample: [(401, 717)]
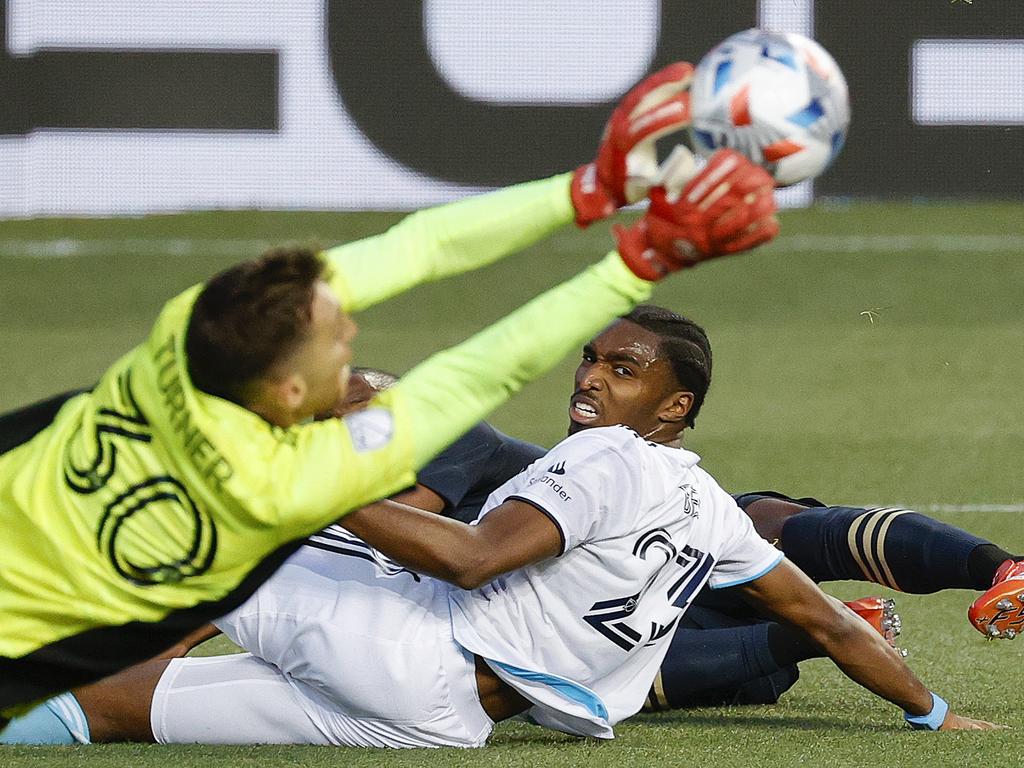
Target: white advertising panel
[(122, 107)]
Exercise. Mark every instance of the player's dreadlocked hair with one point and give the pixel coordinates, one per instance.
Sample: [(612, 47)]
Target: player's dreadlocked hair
[(685, 345), (249, 317)]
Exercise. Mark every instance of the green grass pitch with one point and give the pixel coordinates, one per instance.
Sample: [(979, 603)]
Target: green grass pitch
[(874, 354)]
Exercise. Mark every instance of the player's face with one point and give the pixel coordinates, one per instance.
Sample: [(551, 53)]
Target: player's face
[(623, 379), (324, 356)]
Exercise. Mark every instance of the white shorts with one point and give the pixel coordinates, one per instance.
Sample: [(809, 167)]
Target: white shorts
[(346, 650)]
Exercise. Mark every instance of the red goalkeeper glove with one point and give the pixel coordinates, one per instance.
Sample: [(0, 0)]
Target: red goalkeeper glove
[(627, 165), (727, 208)]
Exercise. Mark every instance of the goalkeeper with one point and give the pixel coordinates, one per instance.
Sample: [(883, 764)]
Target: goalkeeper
[(162, 498)]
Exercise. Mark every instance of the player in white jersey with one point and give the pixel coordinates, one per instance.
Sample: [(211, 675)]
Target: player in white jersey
[(559, 601), (641, 530)]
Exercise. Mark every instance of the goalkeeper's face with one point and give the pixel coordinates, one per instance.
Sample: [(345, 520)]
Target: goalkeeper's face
[(624, 378), (319, 367)]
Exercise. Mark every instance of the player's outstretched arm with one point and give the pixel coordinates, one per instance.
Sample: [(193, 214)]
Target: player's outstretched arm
[(788, 594), (471, 233), (510, 536), (448, 240), (723, 210), (729, 207)]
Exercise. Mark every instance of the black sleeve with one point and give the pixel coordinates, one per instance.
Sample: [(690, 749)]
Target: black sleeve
[(466, 472), (22, 425)]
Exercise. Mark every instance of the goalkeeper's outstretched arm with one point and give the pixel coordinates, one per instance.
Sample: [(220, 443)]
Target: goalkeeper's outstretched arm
[(440, 399), (448, 240), (477, 231)]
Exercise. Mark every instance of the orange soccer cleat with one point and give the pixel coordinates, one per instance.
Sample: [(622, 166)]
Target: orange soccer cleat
[(880, 613), (999, 613)]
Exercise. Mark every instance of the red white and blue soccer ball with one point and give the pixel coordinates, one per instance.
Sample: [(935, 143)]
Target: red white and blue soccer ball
[(778, 98)]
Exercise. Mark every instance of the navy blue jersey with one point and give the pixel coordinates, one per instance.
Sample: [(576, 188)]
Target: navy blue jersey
[(466, 472)]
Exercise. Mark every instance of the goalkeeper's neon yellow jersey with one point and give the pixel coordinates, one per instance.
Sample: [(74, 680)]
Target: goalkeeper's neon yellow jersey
[(146, 498)]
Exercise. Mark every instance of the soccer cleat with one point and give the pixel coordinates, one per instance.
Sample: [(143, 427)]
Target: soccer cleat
[(999, 612), (880, 613)]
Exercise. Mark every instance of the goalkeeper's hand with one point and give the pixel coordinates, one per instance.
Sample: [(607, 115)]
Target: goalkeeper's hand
[(627, 165), (727, 208)]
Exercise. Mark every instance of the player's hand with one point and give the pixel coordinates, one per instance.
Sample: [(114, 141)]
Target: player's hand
[(627, 165), (727, 208), (955, 722)]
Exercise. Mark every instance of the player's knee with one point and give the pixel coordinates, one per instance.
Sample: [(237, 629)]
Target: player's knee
[(769, 515)]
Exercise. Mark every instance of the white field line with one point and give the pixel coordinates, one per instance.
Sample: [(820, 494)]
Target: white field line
[(900, 243), (151, 246), (939, 508), (182, 246)]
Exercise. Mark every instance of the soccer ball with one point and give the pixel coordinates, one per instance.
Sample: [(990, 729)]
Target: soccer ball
[(778, 98)]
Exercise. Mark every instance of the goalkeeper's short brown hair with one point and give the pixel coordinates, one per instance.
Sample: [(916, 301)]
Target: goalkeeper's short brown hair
[(249, 317)]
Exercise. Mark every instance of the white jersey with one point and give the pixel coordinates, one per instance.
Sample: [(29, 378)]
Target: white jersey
[(643, 528)]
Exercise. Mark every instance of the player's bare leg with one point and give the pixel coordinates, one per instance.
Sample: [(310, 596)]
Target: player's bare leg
[(96, 712), (118, 707), (769, 515)]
